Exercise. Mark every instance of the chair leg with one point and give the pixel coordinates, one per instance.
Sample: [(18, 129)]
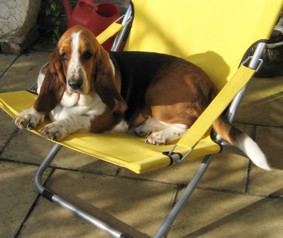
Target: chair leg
[(43, 166), (100, 224), (61, 202), (182, 201)]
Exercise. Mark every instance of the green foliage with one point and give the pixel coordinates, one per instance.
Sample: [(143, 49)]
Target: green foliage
[(50, 19)]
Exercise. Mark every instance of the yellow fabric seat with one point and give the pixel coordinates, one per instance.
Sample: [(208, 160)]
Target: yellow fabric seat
[(138, 157)]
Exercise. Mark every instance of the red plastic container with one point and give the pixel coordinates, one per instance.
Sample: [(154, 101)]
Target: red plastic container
[(96, 17)]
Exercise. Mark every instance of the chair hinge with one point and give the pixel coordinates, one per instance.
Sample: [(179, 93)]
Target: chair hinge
[(260, 62), (174, 157)]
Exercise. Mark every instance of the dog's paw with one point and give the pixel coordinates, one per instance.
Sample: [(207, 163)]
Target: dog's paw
[(169, 135), (157, 138), (54, 131), (149, 126), (29, 118)]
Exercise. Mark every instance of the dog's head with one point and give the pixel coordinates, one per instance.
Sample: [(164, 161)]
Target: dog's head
[(83, 65)]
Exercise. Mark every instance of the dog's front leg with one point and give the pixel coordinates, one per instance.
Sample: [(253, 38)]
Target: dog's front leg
[(29, 118), (57, 130)]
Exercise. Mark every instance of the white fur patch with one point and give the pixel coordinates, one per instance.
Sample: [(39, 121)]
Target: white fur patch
[(57, 130), (149, 126), (160, 133), (69, 99), (75, 68), (40, 79), (75, 64), (29, 118), (171, 134), (67, 120), (86, 105), (121, 127), (251, 149), (112, 66)]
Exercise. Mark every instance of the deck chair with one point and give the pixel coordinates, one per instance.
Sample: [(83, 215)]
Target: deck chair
[(215, 35)]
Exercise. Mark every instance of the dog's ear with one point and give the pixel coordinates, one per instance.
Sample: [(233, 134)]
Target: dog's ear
[(105, 84), (53, 85), (55, 65)]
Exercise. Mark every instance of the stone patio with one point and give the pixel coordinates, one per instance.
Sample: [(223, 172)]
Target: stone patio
[(234, 199)]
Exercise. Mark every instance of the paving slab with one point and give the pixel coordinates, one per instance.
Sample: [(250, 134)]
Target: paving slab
[(5, 62), (26, 147), (6, 130), (226, 172), (142, 205), (216, 214), (262, 102), (30, 148), (266, 183), (17, 195), (254, 218), (24, 71), (270, 140), (262, 182)]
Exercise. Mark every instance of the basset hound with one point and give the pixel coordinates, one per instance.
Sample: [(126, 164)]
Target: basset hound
[(85, 88)]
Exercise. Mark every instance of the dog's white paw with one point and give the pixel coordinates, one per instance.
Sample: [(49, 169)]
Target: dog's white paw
[(29, 118), (54, 131), (157, 138), (169, 135), (149, 126)]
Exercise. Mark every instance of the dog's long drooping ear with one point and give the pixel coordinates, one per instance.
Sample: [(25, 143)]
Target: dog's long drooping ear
[(56, 67), (53, 86), (106, 85)]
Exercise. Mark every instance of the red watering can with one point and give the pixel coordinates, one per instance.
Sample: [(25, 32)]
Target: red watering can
[(96, 17)]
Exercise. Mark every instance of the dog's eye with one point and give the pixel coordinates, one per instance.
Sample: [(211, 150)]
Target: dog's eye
[(63, 56), (87, 55)]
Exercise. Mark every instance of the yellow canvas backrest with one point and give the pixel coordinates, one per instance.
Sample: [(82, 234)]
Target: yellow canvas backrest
[(213, 34)]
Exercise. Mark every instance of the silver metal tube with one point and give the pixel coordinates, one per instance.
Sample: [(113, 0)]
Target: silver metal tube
[(87, 217), (257, 55), (253, 64), (182, 201), (120, 35), (234, 105), (44, 165)]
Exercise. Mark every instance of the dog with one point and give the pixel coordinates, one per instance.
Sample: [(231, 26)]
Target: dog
[(158, 96)]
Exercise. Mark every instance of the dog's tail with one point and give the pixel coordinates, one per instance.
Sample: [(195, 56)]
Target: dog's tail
[(241, 140)]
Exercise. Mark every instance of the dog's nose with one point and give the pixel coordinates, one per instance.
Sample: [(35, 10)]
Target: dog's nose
[(75, 83)]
